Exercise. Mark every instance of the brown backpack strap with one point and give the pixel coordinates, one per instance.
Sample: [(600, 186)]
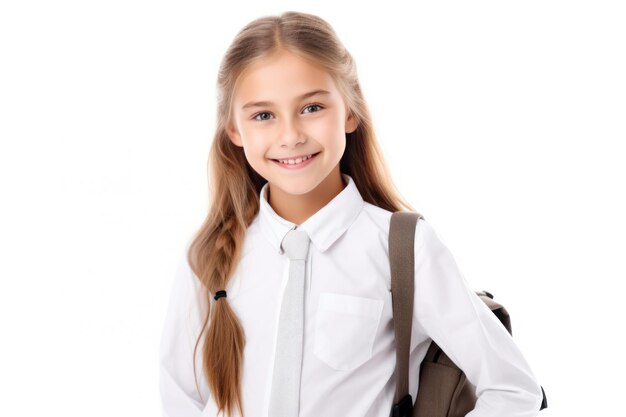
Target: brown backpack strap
[(402, 267)]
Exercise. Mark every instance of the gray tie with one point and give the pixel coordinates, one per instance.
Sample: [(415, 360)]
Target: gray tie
[(285, 398)]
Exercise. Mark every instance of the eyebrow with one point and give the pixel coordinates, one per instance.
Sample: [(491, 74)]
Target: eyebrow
[(269, 103)]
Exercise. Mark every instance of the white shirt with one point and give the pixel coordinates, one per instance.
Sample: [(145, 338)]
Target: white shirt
[(349, 349)]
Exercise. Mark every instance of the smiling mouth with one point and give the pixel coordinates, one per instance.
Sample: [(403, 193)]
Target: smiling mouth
[(296, 161)]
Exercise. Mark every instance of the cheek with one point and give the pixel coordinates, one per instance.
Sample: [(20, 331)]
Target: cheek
[(254, 152), (255, 142), (339, 147), (327, 128), (256, 157), (332, 133)]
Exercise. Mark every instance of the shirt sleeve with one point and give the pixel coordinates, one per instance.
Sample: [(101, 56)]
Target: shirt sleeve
[(452, 315), (183, 322)]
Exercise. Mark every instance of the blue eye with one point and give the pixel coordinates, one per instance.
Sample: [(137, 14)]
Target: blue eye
[(313, 105), (256, 116)]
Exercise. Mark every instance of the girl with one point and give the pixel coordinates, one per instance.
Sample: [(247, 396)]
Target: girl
[(295, 148)]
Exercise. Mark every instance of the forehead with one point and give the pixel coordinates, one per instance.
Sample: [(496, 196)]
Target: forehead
[(281, 78)]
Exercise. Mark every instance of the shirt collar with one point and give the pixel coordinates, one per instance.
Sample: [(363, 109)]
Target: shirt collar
[(323, 227)]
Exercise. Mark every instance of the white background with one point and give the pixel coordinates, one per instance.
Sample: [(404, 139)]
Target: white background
[(502, 122)]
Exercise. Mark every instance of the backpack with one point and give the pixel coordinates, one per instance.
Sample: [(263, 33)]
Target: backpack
[(444, 390)]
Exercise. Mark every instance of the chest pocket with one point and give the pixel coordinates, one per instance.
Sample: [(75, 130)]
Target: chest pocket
[(345, 329)]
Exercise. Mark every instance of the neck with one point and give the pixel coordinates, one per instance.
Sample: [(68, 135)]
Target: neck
[(298, 208)]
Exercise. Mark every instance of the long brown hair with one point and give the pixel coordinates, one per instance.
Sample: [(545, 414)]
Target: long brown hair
[(234, 186)]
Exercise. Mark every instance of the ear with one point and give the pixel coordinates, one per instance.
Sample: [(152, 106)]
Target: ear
[(351, 123), (234, 136)]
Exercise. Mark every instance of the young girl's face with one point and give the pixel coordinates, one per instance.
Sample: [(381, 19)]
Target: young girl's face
[(278, 115)]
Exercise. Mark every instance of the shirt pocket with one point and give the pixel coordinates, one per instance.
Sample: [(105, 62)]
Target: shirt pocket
[(345, 329)]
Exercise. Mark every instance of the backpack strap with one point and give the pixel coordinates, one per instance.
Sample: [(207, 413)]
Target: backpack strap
[(402, 266)]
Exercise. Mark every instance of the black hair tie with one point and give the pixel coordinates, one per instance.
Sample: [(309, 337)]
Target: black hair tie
[(219, 294)]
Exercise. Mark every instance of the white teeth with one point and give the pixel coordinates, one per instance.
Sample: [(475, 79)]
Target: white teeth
[(294, 161)]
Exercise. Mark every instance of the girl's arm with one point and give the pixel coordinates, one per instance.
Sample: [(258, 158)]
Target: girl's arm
[(183, 322), (452, 315)]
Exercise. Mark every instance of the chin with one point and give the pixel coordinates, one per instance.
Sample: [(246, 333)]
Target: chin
[(302, 188)]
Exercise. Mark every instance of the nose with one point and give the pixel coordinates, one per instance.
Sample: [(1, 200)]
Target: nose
[(290, 133)]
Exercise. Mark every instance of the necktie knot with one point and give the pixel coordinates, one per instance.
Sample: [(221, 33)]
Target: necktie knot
[(296, 244)]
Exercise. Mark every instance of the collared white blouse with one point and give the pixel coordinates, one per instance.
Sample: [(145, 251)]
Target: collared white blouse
[(349, 351)]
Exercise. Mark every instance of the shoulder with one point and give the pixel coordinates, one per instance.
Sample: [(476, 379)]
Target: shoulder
[(425, 234), (426, 237), (378, 217), (381, 218), (427, 240)]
